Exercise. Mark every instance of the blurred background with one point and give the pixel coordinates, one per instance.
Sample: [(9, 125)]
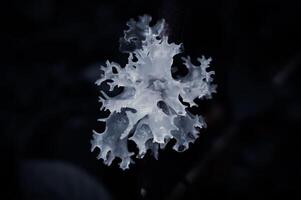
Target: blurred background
[(51, 54)]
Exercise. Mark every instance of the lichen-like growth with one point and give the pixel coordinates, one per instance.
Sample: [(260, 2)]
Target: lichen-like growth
[(148, 111)]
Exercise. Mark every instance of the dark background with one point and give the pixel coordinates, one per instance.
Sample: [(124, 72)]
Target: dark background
[(51, 54)]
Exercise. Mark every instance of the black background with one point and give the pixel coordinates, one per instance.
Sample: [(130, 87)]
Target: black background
[(51, 54)]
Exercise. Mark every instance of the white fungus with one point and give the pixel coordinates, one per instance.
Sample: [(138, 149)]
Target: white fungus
[(148, 111)]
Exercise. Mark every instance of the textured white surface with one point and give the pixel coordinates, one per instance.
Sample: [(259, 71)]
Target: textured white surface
[(148, 110)]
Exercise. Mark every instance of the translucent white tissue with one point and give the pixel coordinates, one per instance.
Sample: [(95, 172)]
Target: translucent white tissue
[(148, 110)]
